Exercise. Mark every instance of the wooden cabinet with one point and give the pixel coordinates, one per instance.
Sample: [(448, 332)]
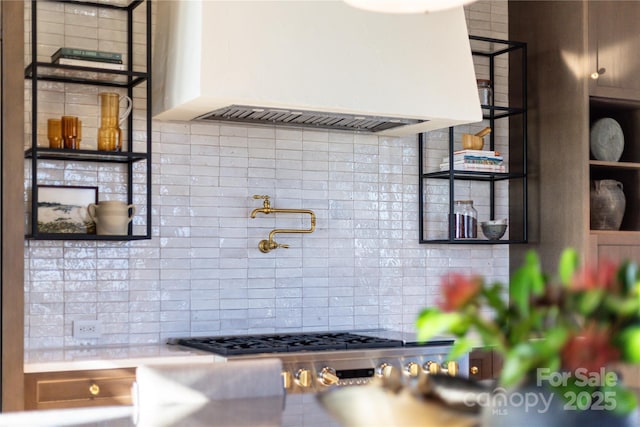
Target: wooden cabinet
[(70, 389), (566, 42), (484, 364), (613, 246), (614, 43)]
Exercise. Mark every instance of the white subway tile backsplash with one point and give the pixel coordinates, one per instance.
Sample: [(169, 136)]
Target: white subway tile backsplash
[(202, 272)]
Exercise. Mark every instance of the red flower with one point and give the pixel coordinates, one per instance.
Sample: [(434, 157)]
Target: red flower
[(590, 349), (602, 276), (457, 290)]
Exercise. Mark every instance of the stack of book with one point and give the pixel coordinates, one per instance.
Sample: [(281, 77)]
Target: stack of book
[(475, 160), (88, 58)]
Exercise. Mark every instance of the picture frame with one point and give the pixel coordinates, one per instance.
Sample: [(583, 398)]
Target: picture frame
[(64, 209)]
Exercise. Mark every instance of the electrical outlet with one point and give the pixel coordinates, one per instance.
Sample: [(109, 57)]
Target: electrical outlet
[(85, 329)]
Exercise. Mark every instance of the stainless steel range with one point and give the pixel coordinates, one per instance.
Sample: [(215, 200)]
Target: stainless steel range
[(316, 360)]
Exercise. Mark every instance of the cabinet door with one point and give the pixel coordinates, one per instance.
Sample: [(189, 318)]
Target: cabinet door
[(73, 389), (614, 43), (481, 364), (613, 246)]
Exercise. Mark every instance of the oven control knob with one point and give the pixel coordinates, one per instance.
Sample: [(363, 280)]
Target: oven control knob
[(303, 378), (328, 376), (286, 379), (385, 370), (412, 369), (432, 367), (452, 368)]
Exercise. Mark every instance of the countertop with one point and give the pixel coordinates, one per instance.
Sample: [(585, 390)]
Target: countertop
[(110, 357), (130, 356), (298, 410)]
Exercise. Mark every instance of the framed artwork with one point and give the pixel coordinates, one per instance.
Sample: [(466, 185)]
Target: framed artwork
[(63, 209)]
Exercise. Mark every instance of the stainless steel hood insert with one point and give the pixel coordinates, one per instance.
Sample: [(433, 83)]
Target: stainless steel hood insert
[(265, 115)]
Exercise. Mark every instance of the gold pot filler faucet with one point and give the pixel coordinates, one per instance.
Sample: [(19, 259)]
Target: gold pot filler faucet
[(266, 246)]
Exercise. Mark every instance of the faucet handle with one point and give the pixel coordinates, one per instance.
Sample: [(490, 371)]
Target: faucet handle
[(282, 245), (265, 204)]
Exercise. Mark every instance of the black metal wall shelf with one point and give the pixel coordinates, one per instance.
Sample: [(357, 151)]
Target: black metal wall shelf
[(84, 155), (497, 112), (473, 175), (72, 236), (517, 171), (124, 7), (37, 71), (62, 73), (471, 241)]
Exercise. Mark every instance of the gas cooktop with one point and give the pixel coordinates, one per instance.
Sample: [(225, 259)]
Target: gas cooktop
[(286, 343), (312, 361)]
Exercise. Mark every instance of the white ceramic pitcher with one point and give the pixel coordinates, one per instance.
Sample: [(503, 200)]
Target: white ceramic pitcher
[(112, 217)]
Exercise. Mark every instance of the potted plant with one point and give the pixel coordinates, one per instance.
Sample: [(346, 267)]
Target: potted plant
[(560, 333)]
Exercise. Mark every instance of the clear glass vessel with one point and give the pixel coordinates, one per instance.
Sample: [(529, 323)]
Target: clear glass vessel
[(465, 220)]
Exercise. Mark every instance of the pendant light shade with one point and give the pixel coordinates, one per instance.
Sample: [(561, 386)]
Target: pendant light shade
[(406, 6)]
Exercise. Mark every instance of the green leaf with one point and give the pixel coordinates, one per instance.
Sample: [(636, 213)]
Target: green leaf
[(517, 363), (625, 307), (589, 301), (628, 341), (554, 363), (490, 335), (495, 298), (628, 275), (519, 291), (432, 322), (568, 265), (528, 280), (554, 339), (625, 400), (536, 277), (460, 348)]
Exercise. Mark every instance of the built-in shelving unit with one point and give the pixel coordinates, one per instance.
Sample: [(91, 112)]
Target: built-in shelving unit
[(625, 171), (40, 72), (514, 180)]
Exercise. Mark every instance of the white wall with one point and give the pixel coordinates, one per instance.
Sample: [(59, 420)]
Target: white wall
[(202, 272)]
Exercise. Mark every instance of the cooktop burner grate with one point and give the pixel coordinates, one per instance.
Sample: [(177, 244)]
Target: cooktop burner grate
[(286, 343)]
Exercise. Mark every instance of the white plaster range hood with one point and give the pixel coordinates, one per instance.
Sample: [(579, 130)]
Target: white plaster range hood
[(313, 63)]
